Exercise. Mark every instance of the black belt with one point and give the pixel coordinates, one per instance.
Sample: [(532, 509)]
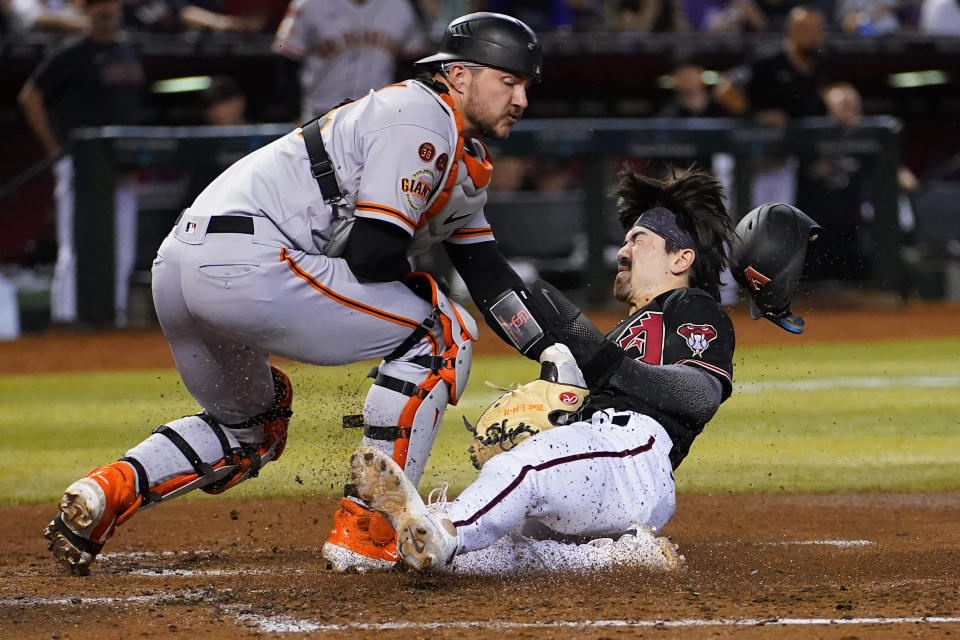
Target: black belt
[(230, 224), (320, 165)]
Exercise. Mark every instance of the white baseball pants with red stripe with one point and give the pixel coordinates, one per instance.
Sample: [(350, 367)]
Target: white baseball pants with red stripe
[(592, 478)]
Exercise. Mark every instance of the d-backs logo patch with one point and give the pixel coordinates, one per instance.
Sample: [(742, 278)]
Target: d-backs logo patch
[(698, 337), (642, 339), (427, 151), (755, 279), (417, 187)]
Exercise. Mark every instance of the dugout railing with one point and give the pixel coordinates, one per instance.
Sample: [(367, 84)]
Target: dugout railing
[(100, 154)]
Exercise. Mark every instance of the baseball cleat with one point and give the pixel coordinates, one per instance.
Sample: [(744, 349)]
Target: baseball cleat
[(361, 540), (640, 546), (425, 540), (90, 510)]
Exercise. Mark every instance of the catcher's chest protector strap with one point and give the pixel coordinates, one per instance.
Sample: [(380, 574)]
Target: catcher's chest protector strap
[(320, 165)]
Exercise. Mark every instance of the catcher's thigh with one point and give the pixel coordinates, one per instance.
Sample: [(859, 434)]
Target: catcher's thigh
[(590, 478)]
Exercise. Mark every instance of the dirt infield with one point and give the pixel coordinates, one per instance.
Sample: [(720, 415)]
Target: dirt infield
[(758, 566)]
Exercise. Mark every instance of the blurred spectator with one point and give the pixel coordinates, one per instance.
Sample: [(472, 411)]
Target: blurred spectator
[(224, 105), (346, 47), (653, 16), (940, 17), (725, 16), (91, 80), (167, 16), (776, 12), (224, 102), (835, 191), (691, 98), (57, 16), (772, 90), (868, 17)]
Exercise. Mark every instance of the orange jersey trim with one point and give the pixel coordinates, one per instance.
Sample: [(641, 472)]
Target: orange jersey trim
[(353, 304), (379, 208), (472, 232)]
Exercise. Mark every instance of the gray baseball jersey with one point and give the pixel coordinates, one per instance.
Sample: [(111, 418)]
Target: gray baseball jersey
[(347, 47), (228, 300)]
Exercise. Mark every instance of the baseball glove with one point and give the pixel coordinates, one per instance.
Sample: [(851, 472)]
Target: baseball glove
[(521, 412)]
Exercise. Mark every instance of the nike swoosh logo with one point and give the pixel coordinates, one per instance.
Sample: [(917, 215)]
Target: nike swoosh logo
[(453, 217), (417, 544)]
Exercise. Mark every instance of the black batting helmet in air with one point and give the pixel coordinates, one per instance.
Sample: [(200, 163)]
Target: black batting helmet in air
[(769, 246), (493, 40)]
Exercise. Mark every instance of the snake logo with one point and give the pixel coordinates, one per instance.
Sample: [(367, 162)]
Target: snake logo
[(698, 336)]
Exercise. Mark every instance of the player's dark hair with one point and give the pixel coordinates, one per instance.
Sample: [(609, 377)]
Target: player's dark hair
[(696, 199)]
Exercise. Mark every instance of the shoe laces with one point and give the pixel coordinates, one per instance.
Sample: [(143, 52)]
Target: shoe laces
[(438, 496)]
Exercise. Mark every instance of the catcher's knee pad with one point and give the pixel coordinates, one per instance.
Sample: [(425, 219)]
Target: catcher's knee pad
[(409, 396)]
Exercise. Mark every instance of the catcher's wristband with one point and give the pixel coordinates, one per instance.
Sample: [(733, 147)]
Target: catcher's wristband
[(514, 318)]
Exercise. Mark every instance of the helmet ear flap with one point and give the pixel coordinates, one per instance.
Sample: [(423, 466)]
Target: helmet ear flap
[(767, 256)]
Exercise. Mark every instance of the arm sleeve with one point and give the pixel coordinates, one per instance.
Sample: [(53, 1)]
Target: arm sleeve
[(376, 251), (484, 270), (686, 393)]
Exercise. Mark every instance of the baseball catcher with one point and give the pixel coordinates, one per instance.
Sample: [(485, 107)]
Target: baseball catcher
[(655, 381)]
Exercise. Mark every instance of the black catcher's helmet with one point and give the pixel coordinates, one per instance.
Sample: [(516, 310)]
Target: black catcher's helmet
[(769, 246), (491, 39)]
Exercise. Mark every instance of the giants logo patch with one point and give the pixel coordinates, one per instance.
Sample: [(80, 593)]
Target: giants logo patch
[(642, 339), (417, 187), (698, 337)]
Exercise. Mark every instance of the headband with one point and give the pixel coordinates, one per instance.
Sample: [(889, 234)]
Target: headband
[(663, 222)]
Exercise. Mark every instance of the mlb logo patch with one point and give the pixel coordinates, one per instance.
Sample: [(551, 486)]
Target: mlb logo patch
[(191, 227)]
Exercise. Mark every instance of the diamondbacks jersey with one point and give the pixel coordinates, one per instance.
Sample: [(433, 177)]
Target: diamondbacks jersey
[(682, 326), (398, 156), (347, 47)]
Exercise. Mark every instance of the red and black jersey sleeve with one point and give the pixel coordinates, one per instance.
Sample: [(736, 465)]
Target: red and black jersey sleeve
[(678, 329), (683, 326)]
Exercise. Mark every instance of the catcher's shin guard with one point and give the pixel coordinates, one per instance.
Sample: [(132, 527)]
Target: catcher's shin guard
[(402, 412), (409, 396), (193, 452)]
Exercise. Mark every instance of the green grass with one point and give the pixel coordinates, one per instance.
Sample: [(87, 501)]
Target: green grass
[(871, 417)]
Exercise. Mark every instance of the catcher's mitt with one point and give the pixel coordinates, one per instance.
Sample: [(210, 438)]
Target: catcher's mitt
[(520, 413)]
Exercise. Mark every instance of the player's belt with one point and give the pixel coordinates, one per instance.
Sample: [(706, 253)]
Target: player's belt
[(320, 165), (230, 224)]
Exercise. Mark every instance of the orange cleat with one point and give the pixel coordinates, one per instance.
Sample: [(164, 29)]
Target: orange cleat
[(361, 540), (90, 510)]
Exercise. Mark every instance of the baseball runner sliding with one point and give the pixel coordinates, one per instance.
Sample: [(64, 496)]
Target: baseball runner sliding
[(651, 385)]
